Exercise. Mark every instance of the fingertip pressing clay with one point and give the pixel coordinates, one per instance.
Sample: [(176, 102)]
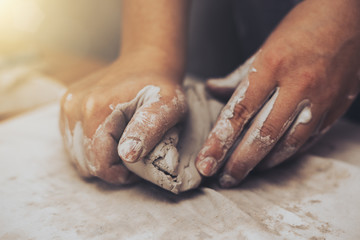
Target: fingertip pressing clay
[(171, 164)]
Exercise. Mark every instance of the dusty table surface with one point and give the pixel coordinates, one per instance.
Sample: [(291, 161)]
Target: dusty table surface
[(42, 197)]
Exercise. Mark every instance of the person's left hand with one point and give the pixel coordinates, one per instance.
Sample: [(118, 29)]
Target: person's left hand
[(302, 80)]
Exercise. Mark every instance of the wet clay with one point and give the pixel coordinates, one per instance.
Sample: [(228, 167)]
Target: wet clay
[(171, 164)]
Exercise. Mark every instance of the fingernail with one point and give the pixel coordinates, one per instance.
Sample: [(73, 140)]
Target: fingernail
[(130, 150), (227, 181), (207, 166)]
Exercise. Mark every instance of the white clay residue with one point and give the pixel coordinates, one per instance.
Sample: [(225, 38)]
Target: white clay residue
[(227, 113), (281, 154), (69, 97), (75, 143), (238, 96), (242, 74), (226, 179), (171, 164), (305, 115), (145, 98), (179, 101), (130, 146), (166, 108), (287, 149), (224, 132), (255, 133), (168, 166), (180, 97), (237, 76)]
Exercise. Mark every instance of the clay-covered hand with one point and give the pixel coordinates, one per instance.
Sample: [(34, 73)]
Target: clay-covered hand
[(302, 80), (119, 113)]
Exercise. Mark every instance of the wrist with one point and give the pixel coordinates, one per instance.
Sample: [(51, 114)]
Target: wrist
[(152, 60), (322, 25), (336, 14)]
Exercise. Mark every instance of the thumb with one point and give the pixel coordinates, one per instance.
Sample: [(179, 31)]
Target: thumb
[(149, 123), (224, 87)]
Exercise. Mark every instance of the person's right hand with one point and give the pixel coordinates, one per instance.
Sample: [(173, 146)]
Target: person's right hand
[(119, 113), (304, 78)]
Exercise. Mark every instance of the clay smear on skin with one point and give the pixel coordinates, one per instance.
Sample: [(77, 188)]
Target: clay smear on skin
[(223, 130), (166, 165), (78, 144), (241, 78), (179, 100), (237, 76), (150, 121), (75, 145), (255, 135), (304, 117), (69, 97), (267, 142)]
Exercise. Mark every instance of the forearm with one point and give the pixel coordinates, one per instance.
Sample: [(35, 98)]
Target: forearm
[(156, 31)]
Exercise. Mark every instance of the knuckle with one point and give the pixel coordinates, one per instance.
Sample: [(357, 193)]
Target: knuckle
[(65, 102), (308, 80), (268, 130), (146, 121), (241, 113), (89, 107), (274, 58)]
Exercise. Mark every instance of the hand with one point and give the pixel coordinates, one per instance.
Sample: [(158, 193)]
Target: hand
[(302, 80), (119, 113)]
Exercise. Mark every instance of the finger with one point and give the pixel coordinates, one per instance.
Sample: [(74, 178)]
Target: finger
[(103, 159), (337, 110), (249, 96), (299, 133), (267, 128), (148, 125), (108, 165), (225, 87)]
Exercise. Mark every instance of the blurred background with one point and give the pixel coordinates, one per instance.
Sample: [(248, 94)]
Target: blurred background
[(46, 45), (89, 28)]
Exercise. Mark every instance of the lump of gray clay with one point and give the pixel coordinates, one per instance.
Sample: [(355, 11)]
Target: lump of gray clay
[(171, 164)]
